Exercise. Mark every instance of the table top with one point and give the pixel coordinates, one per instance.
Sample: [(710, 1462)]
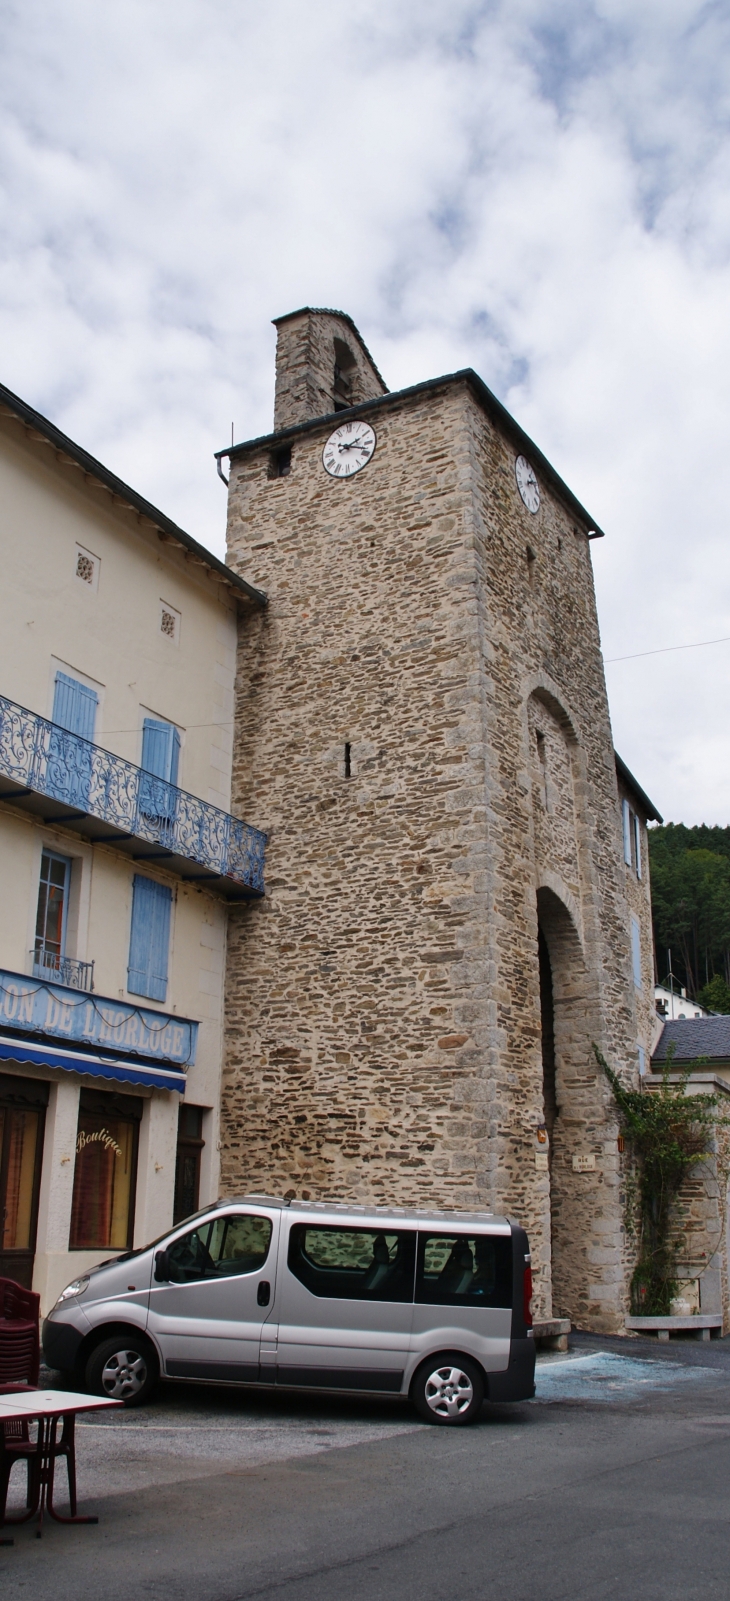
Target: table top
[(44, 1403)]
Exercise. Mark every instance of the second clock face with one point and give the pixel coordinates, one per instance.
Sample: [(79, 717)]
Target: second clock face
[(348, 449), (527, 484)]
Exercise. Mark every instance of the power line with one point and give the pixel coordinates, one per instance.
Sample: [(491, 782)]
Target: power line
[(664, 649)]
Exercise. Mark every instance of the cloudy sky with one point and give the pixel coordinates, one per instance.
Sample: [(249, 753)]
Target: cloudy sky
[(539, 189)]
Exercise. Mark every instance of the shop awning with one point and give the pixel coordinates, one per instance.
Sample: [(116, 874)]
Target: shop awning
[(39, 1055)]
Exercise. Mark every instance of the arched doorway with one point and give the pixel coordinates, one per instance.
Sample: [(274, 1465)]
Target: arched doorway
[(572, 1103)]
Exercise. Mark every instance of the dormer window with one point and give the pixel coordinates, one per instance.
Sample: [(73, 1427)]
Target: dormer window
[(344, 374)]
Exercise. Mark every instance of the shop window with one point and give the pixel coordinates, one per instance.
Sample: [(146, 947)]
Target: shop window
[(51, 915), (22, 1115), (149, 941), (102, 1211), (190, 1144)]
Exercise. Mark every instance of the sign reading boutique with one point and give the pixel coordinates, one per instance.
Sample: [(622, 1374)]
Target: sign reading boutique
[(49, 1009)]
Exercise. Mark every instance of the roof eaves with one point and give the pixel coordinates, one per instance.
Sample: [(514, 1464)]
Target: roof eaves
[(164, 525), (328, 311), (630, 782), (429, 386)]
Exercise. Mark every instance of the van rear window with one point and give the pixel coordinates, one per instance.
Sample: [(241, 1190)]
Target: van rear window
[(464, 1270), (353, 1264)]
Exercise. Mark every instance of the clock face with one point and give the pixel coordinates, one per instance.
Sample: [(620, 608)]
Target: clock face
[(348, 449), (527, 484)]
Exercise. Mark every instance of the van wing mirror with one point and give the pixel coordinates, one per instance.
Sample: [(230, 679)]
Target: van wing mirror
[(162, 1268)]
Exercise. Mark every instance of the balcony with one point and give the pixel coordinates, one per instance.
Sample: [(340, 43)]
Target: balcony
[(110, 800), (62, 969)]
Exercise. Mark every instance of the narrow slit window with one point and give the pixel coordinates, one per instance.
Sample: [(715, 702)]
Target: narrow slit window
[(636, 951), (637, 845), (626, 821), (348, 761), (542, 760)]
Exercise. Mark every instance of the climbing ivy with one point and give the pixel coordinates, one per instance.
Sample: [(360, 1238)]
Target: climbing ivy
[(670, 1133)]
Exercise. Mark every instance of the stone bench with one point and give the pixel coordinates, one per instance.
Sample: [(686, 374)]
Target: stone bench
[(705, 1325), (552, 1334)]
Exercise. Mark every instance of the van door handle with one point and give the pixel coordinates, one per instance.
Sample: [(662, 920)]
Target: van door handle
[(263, 1294)]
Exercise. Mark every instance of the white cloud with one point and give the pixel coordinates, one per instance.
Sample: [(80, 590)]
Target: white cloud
[(536, 188)]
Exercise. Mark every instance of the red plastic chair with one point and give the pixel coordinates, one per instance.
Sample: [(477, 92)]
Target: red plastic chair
[(20, 1345), (20, 1356)]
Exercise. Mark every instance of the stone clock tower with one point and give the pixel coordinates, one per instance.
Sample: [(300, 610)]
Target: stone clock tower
[(422, 728)]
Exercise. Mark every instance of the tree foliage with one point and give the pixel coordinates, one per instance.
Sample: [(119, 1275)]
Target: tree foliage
[(669, 1132), (690, 892)]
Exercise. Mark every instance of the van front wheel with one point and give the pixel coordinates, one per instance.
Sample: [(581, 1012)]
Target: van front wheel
[(123, 1369), (448, 1389)]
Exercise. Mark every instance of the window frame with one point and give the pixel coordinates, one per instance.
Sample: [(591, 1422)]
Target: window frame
[(67, 861), (407, 1242), (504, 1271), (110, 1107), (209, 1223)]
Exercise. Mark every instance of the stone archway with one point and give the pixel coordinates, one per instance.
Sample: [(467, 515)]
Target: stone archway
[(573, 1110)]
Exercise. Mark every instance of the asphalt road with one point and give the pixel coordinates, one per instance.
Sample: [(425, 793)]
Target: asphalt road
[(614, 1482)]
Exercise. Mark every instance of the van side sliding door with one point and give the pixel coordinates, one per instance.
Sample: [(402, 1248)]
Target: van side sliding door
[(345, 1306)]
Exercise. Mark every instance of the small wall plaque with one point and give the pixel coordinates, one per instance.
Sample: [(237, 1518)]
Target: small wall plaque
[(541, 1161), (585, 1163)]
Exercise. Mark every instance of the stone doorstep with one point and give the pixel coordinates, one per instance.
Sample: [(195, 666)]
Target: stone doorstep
[(706, 1325), (552, 1334)]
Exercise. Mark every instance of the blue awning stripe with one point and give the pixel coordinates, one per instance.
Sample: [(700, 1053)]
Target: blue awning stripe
[(159, 1078)]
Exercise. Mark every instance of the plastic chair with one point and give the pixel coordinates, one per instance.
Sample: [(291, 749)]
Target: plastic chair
[(20, 1345), (20, 1357)]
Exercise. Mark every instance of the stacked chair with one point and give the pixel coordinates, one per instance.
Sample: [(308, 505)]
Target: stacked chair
[(20, 1357), (20, 1360)]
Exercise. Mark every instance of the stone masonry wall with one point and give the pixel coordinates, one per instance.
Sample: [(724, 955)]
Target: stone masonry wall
[(638, 899), (383, 1002), (305, 367), (556, 844)]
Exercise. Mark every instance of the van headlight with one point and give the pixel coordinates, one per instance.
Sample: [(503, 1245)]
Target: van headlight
[(77, 1287)]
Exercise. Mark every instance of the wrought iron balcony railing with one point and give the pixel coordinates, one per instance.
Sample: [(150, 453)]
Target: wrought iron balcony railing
[(62, 969), (124, 805)]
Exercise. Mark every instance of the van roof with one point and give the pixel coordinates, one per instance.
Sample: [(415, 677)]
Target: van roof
[(399, 1214)]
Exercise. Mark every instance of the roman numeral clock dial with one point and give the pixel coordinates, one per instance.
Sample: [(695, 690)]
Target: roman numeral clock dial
[(348, 449)]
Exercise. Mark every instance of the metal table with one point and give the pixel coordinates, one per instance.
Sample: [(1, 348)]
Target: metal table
[(47, 1407)]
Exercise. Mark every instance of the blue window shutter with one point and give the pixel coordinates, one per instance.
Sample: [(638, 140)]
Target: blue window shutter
[(626, 818), (150, 938), (160, 749), (74, 706), (174, 755), (636, 951)]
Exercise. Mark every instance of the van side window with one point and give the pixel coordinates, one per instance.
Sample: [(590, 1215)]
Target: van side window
[(237, 1243), (353, 1264), (464, 1270)]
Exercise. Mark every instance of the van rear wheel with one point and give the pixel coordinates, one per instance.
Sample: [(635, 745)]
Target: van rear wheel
[(124, 1369), (448, 1389)]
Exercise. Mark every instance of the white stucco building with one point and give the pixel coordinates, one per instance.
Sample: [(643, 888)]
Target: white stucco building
[(118, 857)]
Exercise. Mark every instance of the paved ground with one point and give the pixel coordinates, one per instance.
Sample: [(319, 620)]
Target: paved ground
[(612, 1483)]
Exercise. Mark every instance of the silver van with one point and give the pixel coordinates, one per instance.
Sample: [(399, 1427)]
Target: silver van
[(431, 1306)]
